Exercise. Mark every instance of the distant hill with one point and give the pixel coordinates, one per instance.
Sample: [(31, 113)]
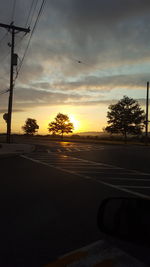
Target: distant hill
[(89, 133)]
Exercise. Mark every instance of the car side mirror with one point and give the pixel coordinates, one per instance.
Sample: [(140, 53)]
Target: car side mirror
[(126, 218)]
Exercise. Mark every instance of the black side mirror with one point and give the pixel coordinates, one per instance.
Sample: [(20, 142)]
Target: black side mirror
[(126, 218)]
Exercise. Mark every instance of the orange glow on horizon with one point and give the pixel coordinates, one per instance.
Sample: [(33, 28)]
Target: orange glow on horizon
[(84, 119)]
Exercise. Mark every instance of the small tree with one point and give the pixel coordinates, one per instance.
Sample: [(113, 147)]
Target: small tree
[(30, 127), (125, 117), (61, 125)]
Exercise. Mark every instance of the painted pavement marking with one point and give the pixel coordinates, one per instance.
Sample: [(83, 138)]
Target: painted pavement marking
[(88, 177), (74, 149)]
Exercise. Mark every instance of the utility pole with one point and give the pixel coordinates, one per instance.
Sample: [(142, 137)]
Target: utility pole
[(14, 30), (146, 122)]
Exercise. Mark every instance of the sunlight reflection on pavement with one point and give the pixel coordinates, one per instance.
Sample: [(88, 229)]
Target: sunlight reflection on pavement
[(99, 254)]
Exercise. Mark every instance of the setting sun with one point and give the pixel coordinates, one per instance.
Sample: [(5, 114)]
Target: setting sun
[(75, 122)]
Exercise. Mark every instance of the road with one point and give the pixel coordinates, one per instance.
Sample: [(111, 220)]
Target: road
[(125, 167), (50, 198)]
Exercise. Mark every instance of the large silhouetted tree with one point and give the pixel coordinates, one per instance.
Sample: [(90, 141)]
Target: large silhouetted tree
[(61, 125), (30, 127), (125, 117)]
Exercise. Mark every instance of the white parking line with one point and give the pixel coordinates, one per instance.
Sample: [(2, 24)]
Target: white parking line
[(125, 190), (98, 163), (75, 161), (128, 179), (87, 167), (43, 156), (91, 163), (114, 167), (105, 168), (68, 149), (135, 186), (89, 178), (75, 164)]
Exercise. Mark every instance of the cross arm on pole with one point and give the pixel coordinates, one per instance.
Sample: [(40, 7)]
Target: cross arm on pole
[(13, 27)]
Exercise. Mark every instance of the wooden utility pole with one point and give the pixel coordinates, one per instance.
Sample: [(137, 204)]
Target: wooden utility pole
[(146, 122), (13, 29)]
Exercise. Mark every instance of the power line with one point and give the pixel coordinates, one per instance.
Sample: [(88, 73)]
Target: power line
[(13, 13), (3, 38), (4, 91), (5, 56), (33, 30), (13, 10), (31, 12), (27, 21)]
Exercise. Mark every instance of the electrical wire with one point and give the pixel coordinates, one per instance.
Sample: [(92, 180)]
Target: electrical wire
[(13, 10), (33, 30), (31, 13), (4, 91), (3, 38), (5, 56), (30, 17), (27, 21)]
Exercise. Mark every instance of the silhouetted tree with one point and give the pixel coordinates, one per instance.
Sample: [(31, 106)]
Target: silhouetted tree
[(61, 125), (30, 127), (125, 117)]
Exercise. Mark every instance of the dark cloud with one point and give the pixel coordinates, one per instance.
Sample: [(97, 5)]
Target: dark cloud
[(33, 98), (99, 34), (14, 110), (107, 102), (70, 24), (30, 72), (107, 83), (26, 97), (42, 85), (102, 30), (100, 10)]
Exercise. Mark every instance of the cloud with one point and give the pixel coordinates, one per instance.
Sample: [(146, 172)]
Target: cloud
[(26, 97), (99, 34), (94, 83), (30, 72), (14, 110), (41, 85), (101, 31)]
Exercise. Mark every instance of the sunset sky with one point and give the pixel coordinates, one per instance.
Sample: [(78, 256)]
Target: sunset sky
[(83, 56)]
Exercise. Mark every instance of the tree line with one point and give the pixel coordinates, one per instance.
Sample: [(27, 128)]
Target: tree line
[(125, 117)]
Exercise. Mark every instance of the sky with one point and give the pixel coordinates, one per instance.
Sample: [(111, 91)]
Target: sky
[(83, 56)]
